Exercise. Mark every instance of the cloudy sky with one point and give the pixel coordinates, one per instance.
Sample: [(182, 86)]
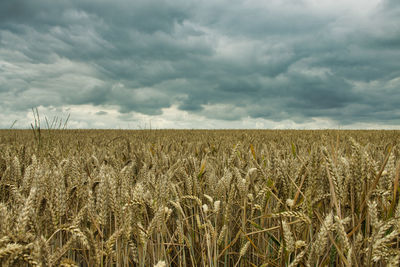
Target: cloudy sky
[(201, 64)]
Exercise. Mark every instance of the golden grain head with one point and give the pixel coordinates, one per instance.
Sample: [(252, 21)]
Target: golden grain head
[(199, 198)]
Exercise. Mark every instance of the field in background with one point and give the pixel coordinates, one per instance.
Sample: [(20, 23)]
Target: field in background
[(199, 198)]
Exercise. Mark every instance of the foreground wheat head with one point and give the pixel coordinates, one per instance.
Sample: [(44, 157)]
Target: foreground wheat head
[(200, 198)]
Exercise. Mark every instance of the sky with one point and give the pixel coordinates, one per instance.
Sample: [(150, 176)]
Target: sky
[(136, 64)]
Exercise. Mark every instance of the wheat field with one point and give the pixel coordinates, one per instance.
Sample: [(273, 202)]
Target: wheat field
[(199, 198)]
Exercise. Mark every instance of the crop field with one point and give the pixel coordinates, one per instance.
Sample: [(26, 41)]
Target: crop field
[(199, 198)]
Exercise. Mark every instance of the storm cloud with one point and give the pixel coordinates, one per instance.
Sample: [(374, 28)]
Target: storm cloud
[(202, 64)]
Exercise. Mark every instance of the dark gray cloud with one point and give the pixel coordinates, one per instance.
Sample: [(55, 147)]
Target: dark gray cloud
[(101, 113), (227, 60)]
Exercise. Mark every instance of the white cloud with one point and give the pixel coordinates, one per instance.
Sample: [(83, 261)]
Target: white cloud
[(106, 117), (360, 7)]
